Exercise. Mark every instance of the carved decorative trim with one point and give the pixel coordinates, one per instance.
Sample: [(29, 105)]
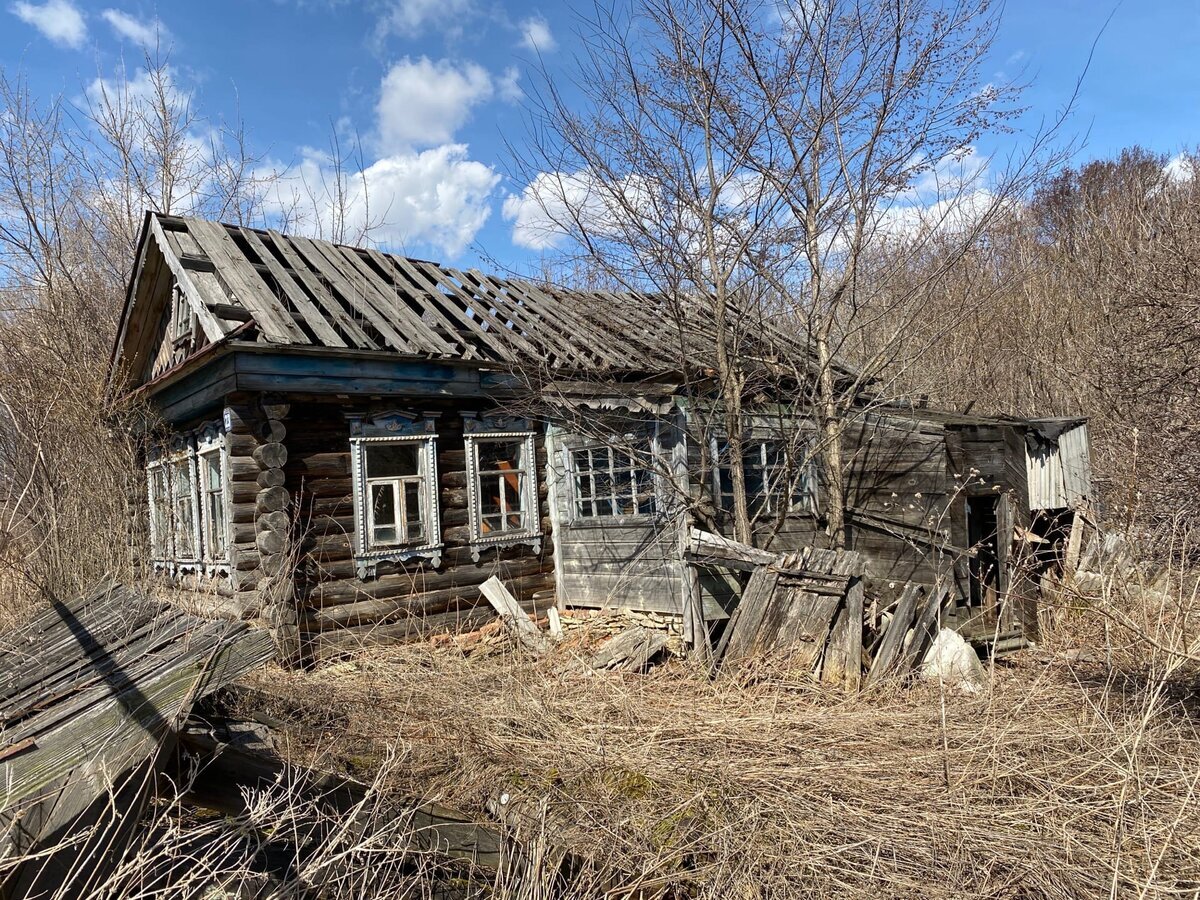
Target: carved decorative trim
[(488, 428), (366, 559)]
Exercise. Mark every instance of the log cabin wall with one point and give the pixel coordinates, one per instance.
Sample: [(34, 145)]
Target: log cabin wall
[(337, 609)]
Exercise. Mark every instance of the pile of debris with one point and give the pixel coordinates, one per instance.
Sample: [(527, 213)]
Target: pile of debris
[(805, 611)]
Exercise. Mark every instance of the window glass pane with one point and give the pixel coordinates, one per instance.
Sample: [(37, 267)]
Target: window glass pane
[(512, 489), (383, 513), (182, 491), (393, 460), (415, 528), (502, 455), (212, 471)]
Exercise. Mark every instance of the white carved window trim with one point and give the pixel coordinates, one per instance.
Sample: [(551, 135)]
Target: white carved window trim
[(366, 554), (212, 443), (532, 533)]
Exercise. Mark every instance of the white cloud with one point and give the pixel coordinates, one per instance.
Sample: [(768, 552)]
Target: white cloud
[(1180, 168), (58, 20), (536, 35), (557, 204), (437, 197), (147, 34), (408, 18), (423, 103)]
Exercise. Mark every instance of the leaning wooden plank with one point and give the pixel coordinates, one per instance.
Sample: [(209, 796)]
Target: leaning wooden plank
[(924, 630), (714, 549), (275, 322), (843, 657), (742, 631), (892, 643), (198, 299), (321, 292), (630, 651), (295, 294), (521, 626)]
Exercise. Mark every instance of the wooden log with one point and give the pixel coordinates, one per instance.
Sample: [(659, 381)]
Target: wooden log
[(630, 651), (332, 644), (241, 491), (272, 431), (276, 409), (278, 521), (243, 532), (402, 585), (514, 618), (319, 465), (241, 511), (241, 445), (270, 456), (271, 500), (270, 543), (242, 468), (269, 478)]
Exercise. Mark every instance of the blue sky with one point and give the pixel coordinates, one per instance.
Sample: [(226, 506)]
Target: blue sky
[(435, 87)]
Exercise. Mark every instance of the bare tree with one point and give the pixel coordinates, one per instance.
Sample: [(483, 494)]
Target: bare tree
[(752, 156)]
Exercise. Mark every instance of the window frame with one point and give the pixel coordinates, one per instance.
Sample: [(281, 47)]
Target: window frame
[(212, 443), (367, 553), (807, 504), (531, 509), (612, 446)]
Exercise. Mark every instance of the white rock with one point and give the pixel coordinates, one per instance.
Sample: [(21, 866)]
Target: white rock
[(951, 660)]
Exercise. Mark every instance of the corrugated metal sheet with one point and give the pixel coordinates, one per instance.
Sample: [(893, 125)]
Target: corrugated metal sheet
[(1060, 473)]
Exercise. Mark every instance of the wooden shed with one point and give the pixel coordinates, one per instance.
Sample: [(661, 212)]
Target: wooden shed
[(354, 441)]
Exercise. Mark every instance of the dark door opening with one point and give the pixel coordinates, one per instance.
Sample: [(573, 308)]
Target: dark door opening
[(984, 566)]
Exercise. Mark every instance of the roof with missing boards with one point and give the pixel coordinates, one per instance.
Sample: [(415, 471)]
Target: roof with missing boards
[(298, 291)]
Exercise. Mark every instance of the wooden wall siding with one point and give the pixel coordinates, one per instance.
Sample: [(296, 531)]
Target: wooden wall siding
[(628, 563), (405, 597)]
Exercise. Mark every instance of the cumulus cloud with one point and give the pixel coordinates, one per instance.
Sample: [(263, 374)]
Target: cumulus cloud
[(536, 35), (556, 204), (147, 34), (423, 103), (438, 198), (58, 20)]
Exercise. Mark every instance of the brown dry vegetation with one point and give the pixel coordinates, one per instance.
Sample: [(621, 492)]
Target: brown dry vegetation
[(1069, 777)]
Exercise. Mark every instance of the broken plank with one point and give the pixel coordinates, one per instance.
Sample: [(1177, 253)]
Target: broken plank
[(514, 618)]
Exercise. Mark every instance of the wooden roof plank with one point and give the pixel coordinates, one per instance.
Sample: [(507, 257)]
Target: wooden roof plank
[(212, 327), (273, 320), (453, 318), (579, 326), (513, 342), (389, 302), (556, 338), (324, 298), (317, 258), (295, 294)]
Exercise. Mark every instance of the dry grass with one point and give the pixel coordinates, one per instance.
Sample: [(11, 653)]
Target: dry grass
[(1067, 778)]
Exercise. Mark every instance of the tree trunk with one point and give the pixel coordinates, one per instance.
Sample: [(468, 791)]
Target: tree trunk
[(831, 444)]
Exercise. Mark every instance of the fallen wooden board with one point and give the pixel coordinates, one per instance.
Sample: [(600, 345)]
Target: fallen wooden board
[(630, 651), (843, 656), (510, 612)]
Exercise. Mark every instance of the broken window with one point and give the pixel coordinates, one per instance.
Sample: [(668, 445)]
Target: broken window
[(504, 486), (189, 504), (610, 482), (769, 474), (397, 485)]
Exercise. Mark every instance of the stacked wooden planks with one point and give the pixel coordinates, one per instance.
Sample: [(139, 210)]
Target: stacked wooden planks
[(91, 692)]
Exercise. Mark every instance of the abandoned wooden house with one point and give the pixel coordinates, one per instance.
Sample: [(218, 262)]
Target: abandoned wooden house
[(345, 447)]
